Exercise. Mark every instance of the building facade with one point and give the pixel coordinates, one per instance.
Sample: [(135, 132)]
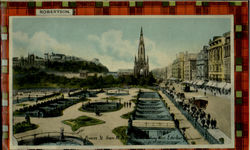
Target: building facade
[(169, 71), (60, 57), (216, 58), (125, 72), (202, 64), (31, 61), (55, 57), (141, 66), (227, 58), (178, 67), (181, 65), (189, 66), (175, 69)]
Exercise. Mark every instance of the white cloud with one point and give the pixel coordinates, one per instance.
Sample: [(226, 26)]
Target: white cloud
[(158, 56), (112, 43), (20, 36), (38, 43), (110, 48), (118, 53)]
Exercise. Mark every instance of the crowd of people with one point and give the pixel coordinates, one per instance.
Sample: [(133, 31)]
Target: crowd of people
[(199, 115), (127, 104), (213, 90)]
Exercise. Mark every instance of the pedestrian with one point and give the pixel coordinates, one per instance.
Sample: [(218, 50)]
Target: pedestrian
[(208, 123), (208, 116), (129, 104), (215, 122), (212, 123), (196, 118), (205, 93), (203, 122)]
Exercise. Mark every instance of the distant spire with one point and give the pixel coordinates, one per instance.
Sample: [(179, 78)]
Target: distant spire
[(141, 48), (141, 37), (141, 62)]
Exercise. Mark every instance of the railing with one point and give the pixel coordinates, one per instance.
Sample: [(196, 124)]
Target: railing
[(47, 134), (157, 142), (151, 124), (202, 130), (25, 99)]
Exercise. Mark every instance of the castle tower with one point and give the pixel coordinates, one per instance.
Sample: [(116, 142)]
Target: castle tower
[(141, 67)]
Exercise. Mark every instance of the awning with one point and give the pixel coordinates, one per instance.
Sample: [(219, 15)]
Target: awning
[(200, 83), (209, 83), (217, 84), (214, 84), (193, 82), (221, 84), (196, 82), (172, 79), (185, 82), (227, 86)]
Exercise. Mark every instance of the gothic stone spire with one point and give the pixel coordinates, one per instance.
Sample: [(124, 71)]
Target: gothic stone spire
[(141, 32), (141, 48), (141, 67)]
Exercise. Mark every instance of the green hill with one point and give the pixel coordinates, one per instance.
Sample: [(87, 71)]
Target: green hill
[(75, 66)]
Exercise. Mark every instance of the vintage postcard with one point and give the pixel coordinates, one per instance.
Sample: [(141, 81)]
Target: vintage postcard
[(121, 81)]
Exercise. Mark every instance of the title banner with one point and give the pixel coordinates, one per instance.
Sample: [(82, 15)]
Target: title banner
[(54, 12)]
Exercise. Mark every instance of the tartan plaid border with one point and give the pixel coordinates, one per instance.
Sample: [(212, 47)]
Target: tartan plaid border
[(238, 9)]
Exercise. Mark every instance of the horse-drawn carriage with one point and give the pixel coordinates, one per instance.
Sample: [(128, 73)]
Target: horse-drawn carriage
[(199, 101), (185, 87), (181, 95)]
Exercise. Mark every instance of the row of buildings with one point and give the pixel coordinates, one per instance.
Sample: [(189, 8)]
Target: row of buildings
[(33, 60), (212, 63), (30, 61)]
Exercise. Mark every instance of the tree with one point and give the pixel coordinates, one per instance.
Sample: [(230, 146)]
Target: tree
[(109, 80), (27, 118), (150, 80)]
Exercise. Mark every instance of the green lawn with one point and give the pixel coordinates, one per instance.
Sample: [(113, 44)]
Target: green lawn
[(120, 107), (22, 104), (127, 115), (82, 121), (23, 126), (18, 113), (120, 132)]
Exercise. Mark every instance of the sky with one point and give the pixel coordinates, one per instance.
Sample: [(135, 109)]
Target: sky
[(114, 40)]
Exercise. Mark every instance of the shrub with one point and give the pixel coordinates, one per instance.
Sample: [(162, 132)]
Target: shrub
[(24, 126)]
